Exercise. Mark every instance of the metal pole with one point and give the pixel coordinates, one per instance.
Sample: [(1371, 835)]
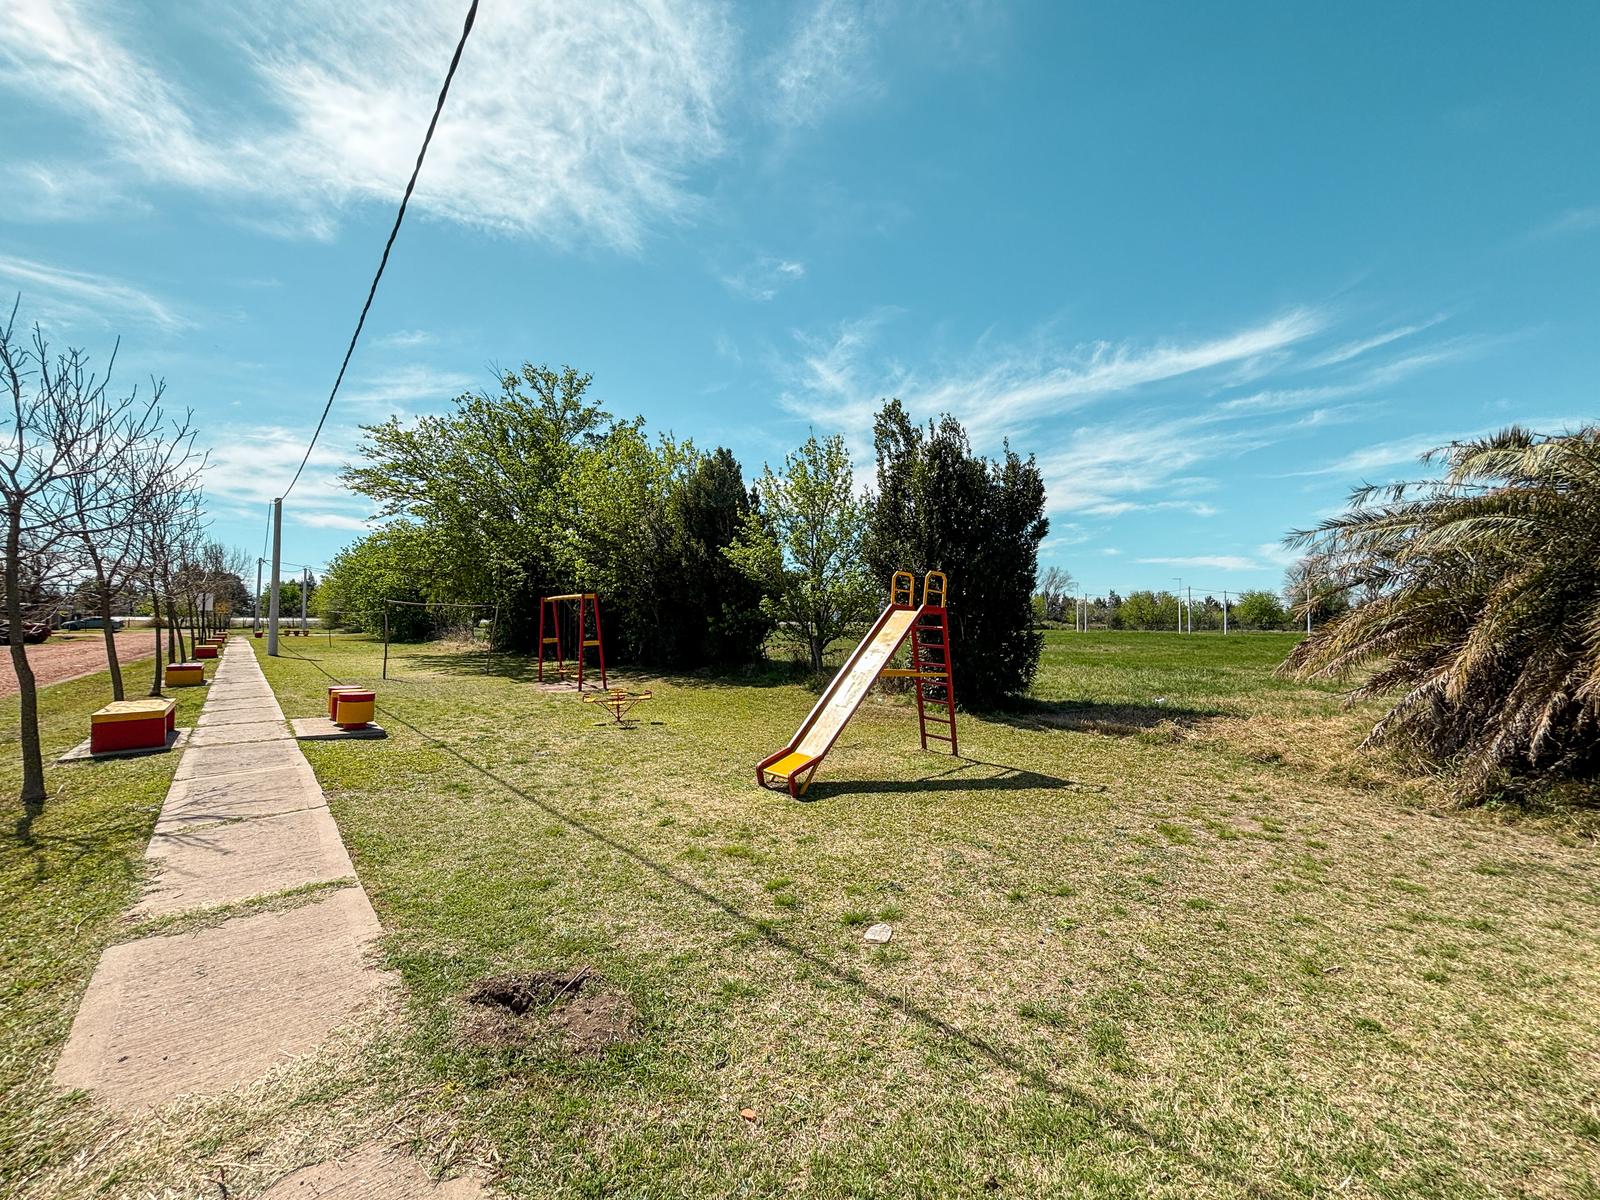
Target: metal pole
[(272, 605), (386, 639), (1224, 613), (1191, 610), (305, 579), (1178, 579)]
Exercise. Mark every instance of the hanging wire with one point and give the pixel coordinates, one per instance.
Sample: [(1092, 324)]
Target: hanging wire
[(438, 107)]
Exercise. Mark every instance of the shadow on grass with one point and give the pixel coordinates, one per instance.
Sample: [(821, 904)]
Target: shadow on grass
[(993, 1052), (522, 668), (1117, 720), (965, 777)]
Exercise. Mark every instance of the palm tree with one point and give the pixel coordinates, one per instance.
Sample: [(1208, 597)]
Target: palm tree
[(1481, 608)]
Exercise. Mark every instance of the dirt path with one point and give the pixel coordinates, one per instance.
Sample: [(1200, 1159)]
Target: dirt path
[(72, 656)]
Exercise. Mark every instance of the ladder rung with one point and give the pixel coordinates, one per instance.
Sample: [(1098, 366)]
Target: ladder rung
[(552, 641), (939, 737), (591, 643)]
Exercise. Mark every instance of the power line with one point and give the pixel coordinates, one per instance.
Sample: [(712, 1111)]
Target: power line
[(438, 107)]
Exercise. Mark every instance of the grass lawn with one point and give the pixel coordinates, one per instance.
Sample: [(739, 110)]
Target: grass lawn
[(1158, 932)]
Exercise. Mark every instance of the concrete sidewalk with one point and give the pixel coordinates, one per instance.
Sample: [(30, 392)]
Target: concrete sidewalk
[(167, 1016)]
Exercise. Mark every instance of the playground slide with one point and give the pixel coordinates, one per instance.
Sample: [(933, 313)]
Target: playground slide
[(838, 703)]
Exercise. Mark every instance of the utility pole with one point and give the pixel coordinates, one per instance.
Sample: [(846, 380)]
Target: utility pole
[(1178, 579), (1224, 613), (305, 580), (255, 603), (1191, 610), (272, 605)]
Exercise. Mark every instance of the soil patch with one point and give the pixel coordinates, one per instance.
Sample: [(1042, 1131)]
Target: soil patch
[(579, 1008)]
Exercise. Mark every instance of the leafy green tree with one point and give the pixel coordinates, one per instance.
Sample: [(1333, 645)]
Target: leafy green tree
[(716, 613), (1259, 610), (804, 546), (939, 506), (494, 482), (391, 563), (1481, 608), (1148, 610)]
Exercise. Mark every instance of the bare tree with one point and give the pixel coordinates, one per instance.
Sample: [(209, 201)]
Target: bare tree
[(62, 424), (142, 459), (1055, 585)]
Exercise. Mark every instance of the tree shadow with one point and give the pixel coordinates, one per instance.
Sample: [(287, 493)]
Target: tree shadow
[(969, 775), (1088, 716), (997, 1054)]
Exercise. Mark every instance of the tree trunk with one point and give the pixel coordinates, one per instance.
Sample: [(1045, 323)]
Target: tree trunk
[(111, 641), (180, 654), (155, 620), (33, 793)]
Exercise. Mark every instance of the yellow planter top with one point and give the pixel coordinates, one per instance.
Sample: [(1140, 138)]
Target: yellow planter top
[(133, 710)]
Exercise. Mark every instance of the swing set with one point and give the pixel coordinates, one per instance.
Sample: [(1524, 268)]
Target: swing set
[(571, 622)]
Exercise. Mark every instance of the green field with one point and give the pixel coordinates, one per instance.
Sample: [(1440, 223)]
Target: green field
[(1160, 931)]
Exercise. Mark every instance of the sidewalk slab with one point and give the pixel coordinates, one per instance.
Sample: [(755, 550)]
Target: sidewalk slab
[(169, 1016), (198, 763), (371, 1173), (230, 797), (222, 864), (229, 735), (239, 715)]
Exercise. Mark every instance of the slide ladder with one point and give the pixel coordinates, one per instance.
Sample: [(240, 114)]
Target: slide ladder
[(927, 627)]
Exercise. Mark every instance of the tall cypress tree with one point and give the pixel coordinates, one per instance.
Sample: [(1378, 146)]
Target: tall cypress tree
[(939, 506)]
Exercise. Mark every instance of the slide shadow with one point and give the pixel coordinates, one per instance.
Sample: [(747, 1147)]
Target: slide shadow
[(1088, 716), (969, 775)]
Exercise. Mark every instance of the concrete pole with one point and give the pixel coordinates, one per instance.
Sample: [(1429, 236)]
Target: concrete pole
[(305, 576), (255, 604), (1191, 610), (1224, 613), (272, 605)]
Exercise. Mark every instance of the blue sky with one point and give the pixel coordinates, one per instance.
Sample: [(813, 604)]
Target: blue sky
[(1212, 264)]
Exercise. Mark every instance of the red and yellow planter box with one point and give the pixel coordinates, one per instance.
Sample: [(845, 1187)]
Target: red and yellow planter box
[(186, 674), (353, 707), (132, 725), (204, 650)]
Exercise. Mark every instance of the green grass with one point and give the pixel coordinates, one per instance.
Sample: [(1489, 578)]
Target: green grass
[(1150, 940)]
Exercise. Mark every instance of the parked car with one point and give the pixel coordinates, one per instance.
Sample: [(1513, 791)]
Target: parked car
[(33, 632), (91, 623)]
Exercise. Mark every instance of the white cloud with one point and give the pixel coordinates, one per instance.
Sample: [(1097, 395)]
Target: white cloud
[(1111, 550), (1220, 562), (406, 339), (1355, 349), (330, 520), (1574, 220), (75, 295), (1002, 390), (824, 63), (36, 191), (764, 278), (564, 121), (398, 390)]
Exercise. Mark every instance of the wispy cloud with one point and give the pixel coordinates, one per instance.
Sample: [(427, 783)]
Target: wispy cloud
[(332, 520), (823, 63), (837, 381), (405, 339), (1349, 350), (75, 295), (763, 278), (1220, 562), (1574, 220), (566, 121)]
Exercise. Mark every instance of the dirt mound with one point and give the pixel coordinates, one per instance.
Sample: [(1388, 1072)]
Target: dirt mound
[(579, 1008)]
